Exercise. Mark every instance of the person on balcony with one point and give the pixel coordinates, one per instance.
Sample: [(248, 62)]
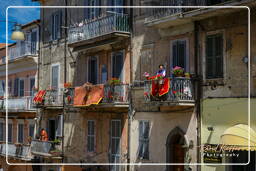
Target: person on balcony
[(43, 135), (161, 72)]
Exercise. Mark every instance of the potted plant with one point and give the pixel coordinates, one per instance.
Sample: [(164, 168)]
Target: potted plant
[(178, 71)]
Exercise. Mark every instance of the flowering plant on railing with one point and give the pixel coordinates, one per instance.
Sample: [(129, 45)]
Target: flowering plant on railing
[(68, 85), (114, 81), (178, 71)]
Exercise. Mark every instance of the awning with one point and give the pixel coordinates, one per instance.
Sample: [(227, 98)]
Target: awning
[(238, 136)]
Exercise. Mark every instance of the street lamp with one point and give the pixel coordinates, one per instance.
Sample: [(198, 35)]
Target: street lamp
[(17, 33)]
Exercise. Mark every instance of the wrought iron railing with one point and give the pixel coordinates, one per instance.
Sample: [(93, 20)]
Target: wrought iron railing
[(53, 98), (158, 13), (113, 22), (113, 94), (180, 90), (18, 151), (25, 49), (46, 148), (18, 103)]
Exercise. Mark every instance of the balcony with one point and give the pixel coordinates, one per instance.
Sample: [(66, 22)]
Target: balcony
[(18, 104), (166, 17), (23, 50), (153, 95), (46, 149), (96, 32), (113, 96), (16, 151), (51, 99)]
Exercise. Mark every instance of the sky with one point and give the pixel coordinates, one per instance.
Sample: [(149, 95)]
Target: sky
[(19, 15)]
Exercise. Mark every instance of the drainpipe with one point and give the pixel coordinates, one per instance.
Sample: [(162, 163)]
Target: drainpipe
[(65, 77), (198, 89)]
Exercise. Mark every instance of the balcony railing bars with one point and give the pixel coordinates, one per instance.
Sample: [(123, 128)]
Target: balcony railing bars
[(114, 22), (181, 90)]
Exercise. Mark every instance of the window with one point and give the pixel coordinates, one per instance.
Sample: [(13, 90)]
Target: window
[(59, 126), (179, 53), (91, 136), (93, 70), (33, 42), (55, 77), (1, 131), (56, 25), (20, 132), (144, 139), (214, 56), (10, 132), (32, 84), (104, 74), (91, 13), (3, 59), (115, 143), (31, 130), (21, 87), (117, 65)]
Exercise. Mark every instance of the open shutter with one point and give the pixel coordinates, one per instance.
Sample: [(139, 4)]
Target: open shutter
[(146, 142), (59, 126), (140, 139)]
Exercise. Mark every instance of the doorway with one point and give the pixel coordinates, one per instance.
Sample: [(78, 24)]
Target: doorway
[(175, 151)]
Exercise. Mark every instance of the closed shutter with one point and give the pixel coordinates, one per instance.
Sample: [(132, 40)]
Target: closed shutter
[(33, 42), (86, 10), (20, 133), (21, 88), (214, 56), (10, 133), (31, 130), (10, 87), (1, 131), (58, 24), (16, 87), (98, 10)]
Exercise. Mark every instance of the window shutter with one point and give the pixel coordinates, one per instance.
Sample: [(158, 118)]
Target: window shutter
[(219, 56), (59, 126), (174, 54), (52, 27), (16, 87), (10, 133), (98, 10), (140, 139), (86, 10), (10, 87), (59, 23), (55, 77), (209, 57), (1, 131), (21, 88)]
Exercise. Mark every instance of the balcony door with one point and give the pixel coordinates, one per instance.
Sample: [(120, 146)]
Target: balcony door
[(118, 65), (179, 54), (92, 65)]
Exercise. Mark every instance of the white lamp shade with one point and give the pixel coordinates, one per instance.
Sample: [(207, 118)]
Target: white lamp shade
[(18, 35)]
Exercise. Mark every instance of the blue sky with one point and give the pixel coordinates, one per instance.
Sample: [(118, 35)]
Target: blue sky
[(19, 15)]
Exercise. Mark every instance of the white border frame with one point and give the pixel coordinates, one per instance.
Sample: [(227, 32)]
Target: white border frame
[(139, 164)]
